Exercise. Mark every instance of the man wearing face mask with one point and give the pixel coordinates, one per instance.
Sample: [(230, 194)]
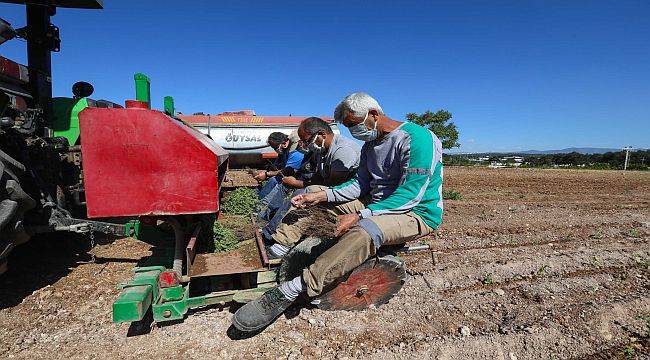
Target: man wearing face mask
[(395, 197), (288, 162), (336, 158)]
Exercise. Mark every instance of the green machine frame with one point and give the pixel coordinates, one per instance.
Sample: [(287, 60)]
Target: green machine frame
[(143, 292), (168, 294)]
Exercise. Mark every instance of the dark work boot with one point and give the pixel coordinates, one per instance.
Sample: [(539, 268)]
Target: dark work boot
[(259, 313)]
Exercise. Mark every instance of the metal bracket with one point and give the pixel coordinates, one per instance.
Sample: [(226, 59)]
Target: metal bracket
[(132, 228), (80, 228)]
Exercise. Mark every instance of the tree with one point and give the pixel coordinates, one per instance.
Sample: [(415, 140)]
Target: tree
[(439, 123)]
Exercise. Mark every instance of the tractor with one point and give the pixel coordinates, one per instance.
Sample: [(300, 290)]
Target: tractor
[(41, 179), (50, 179)]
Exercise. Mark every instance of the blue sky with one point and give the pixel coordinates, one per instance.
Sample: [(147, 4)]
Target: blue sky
[(516, 75)]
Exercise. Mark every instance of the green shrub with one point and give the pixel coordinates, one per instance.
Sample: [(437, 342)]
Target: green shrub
[(629, 352), (241, 201), (451, 195), (488, 280), (224, 239), (216, 237), (600, 166)]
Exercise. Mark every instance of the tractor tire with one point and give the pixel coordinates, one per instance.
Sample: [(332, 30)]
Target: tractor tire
[(14, 202)]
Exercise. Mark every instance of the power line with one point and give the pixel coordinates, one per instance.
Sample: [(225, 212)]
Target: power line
[(627, 156)]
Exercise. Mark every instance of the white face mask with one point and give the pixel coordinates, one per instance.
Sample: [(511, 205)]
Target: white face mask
[(361, 132), (316, 149), (280, 149)]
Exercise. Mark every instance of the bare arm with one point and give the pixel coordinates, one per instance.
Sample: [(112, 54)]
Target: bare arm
[(309, 199)]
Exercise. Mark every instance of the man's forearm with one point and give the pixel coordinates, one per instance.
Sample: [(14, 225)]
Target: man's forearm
[(336, 178), (321, 195), (272, 173), (288, 171)]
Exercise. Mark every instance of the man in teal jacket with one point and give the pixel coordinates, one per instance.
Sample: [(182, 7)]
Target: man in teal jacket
[(395, 197)]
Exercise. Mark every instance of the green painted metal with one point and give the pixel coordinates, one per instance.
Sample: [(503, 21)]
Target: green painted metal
[(248, 295), (176, 310), (169, 106), (65, 122), (210, 299), (132, 303), (142, 88), (172, 293), (171, 310), (173, 303), (132, 229), (137, 295), (168, 304)]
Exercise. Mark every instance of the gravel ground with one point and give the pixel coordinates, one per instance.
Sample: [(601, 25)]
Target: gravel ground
[(531, 264)]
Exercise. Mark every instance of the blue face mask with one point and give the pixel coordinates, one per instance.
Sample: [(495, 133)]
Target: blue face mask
[(361, 132)]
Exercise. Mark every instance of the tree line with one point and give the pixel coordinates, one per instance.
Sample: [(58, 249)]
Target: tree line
[(440, 123), (638, 160), (611, 160)]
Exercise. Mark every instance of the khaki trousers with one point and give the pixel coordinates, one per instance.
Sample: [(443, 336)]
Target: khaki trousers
[(355, 246)]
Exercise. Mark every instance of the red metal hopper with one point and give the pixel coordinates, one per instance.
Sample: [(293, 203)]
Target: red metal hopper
[(139, 162)]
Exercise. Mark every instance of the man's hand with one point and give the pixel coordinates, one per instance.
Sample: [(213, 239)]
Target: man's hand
[(261, 175), (292, 181), (308, 199), (345, 222)]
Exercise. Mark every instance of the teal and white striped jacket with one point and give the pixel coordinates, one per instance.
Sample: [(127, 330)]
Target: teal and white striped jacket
[(402, 173)]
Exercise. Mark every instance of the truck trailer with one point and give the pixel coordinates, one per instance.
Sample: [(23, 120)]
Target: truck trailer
[(243, 134)]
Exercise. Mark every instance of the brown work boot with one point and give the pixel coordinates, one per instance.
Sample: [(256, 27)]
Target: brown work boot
[(261, 312)]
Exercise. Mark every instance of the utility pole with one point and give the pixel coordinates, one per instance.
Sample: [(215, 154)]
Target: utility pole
[(627, 156)]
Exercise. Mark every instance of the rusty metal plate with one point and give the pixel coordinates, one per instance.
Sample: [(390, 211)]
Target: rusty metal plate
[(374, 282), (239, 178), (245, 259), (190, 250), (260, 242)]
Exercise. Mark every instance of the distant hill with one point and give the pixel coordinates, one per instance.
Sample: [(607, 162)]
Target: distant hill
[(582, 150), (585, 150)]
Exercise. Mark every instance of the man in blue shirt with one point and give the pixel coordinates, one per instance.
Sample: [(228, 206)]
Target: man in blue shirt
[(287, 164)]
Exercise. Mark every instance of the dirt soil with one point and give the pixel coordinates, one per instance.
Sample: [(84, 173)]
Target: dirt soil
[(531, 264), (318, 222), (237, 178), (239, 224)]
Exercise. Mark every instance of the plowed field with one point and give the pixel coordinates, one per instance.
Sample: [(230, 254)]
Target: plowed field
[(533, 264)]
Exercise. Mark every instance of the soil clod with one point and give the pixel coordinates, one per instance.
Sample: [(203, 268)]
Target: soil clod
[(318, 221)]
